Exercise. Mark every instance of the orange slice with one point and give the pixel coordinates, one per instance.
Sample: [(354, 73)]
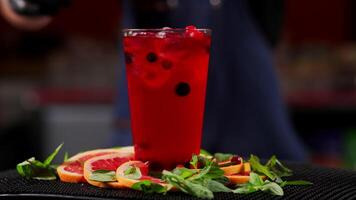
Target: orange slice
[(232, 169), (241, 179), (246, 169)]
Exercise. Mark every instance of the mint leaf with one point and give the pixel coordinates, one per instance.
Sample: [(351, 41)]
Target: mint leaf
[(278, 168), (184, 172), (198, 182), (133, 172), (214, 172), (256, 183), (66, 157), (103, 176), (24, 169), (205, 153), (258, 167), (210, 171), (222, 179), (255, 179), (222, 157), (32, 168), (35, 163), (147, 186), (245, 189), (50, 158), (194, 161), (273, 188), (187, 186), (298, 182), (216, 186)]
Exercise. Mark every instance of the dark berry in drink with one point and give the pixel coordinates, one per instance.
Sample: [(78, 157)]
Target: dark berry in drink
[(151, 57), (182, 89)]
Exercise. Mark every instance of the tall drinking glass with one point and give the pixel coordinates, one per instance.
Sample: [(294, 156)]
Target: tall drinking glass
[(167, 75)]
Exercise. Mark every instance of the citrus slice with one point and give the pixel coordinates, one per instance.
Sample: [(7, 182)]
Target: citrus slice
[(238, 179), (72, 170), (128, 179), (232, 169), (241, 179), (108, 162), (246, 169)]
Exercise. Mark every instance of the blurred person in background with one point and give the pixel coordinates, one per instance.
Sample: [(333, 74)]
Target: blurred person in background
[(244, 110)]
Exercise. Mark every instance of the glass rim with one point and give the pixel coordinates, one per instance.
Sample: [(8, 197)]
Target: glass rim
[(126, 30)]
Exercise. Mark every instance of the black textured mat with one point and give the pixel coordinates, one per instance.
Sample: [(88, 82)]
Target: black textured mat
[(328, 184)]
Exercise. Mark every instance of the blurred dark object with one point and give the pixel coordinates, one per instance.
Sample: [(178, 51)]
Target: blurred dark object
[(350, 148), (269, 17), (72, 59), (21, 140), (38, 7), (151, 14)]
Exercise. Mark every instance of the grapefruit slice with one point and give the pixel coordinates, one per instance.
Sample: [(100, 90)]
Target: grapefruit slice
[(108, 162), (128, 179), (72, 170)]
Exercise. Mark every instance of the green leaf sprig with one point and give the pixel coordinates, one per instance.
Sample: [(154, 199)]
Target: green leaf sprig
[(256, 183), (32, 168), (274, 170), (148, 186), (198, 182)]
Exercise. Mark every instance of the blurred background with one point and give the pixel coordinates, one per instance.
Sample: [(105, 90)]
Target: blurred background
[(60, 83)]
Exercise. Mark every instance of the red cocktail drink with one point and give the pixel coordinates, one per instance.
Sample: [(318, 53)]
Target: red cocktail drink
[(167, 74)]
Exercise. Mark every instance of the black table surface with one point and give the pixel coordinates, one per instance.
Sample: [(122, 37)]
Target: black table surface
[(328, 184)]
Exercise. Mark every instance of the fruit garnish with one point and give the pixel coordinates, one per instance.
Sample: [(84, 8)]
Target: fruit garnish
[(72, 169), (238, 179), (246, 169), (100, 171), (207, 174), (132, 172), (232, 169), (32, 168)]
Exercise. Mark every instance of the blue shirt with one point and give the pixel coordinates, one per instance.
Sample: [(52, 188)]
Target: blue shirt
[(244, 113)]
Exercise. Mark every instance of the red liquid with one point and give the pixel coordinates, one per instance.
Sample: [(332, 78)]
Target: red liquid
[(167, 83)]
